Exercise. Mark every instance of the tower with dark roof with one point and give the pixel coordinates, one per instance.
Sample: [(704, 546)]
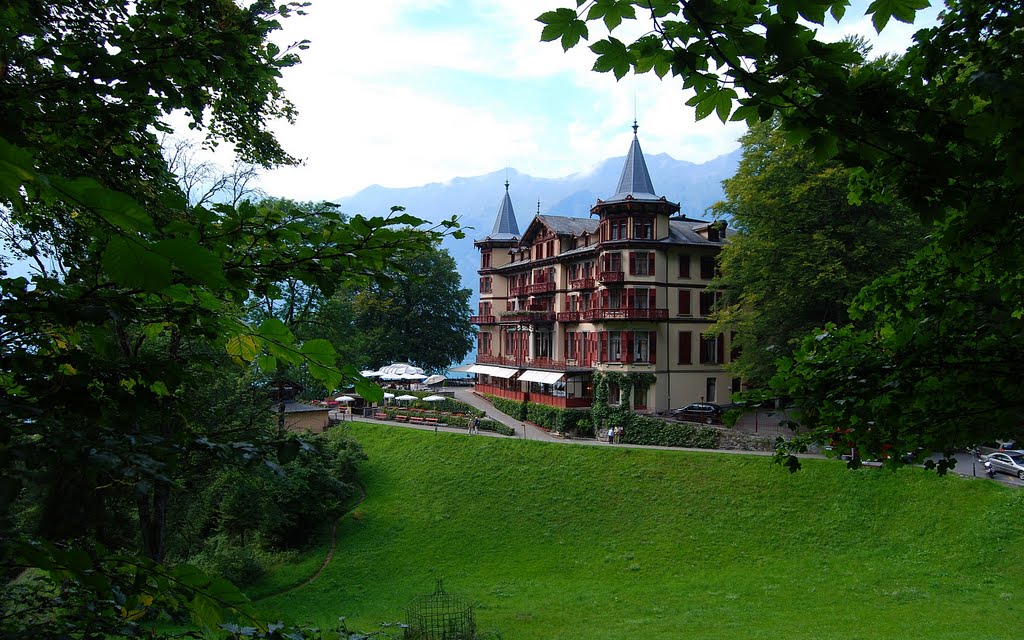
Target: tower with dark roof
[(624, 290)]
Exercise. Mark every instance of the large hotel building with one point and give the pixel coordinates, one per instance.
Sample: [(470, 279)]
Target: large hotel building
[(623, 290)]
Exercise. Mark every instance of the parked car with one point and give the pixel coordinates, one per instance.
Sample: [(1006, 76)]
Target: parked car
[(706, 412), (1006, 462), (998, 446)]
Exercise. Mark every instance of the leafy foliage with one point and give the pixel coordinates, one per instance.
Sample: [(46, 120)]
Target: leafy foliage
[(134, 297), (938, 131), (800, 252)]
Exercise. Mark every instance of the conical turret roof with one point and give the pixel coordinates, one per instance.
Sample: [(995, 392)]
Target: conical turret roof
[(505, 225), (635, 180)]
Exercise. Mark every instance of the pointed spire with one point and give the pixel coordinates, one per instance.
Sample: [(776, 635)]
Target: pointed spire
[(635, 180), (505, 225)]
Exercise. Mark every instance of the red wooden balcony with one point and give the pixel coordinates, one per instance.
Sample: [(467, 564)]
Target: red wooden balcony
[(610, 276), (625, 314), (517, 292), (527, 316), (582, 283), (485, 358), (568, 316), (540, 287), (483, 319)]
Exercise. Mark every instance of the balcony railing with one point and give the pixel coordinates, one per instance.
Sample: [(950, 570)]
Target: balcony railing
[(482, 319), (537, 307), (517, 292), (610, 276), (582, 283), (625, 314), (527, 316), (568, 316), (540, 287), (533, 363)]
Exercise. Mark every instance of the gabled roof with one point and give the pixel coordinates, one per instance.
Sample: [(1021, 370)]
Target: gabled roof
[(559, 225), (505, 225), (635, 180), (685, 232)]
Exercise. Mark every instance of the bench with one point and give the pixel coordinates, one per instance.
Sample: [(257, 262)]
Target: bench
[(401, 418), (416, 419), (431, 420)]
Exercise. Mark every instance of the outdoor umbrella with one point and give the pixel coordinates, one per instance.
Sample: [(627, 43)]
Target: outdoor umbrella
[(389, 396), (433, 398), (434, 380), (369, 374), (406, 397), (344, 399)]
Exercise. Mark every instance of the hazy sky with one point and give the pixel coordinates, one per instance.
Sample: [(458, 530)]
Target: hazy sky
[(405, 92)]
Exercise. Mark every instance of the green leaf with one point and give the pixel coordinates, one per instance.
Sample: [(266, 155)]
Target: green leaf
[(612, 56), (16, 168), (565, 24), (242, 348), (195, 261), (275, 330), (903, 10), (267, 364), (130, 264), (116, 208)]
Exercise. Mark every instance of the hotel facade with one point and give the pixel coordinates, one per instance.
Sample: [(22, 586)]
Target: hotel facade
[(624, 290)]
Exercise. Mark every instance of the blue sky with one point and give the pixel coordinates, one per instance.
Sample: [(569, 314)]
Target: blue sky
[(405, 92)]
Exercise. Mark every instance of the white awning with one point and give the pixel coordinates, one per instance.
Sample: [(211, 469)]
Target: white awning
[(545, 377), (502, 372), (497, 372)]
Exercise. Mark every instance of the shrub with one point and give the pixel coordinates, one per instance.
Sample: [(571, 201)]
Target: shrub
[(652, 431), (514, 408), (242, 564)]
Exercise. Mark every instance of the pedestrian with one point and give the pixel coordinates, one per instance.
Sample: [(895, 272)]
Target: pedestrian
[(618, 434), (611, 435), (476, 426)]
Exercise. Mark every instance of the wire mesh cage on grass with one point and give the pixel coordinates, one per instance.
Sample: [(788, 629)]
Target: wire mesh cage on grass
[(440, 616)]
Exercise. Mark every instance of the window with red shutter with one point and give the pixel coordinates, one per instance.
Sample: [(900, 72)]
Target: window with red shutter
[(632, 263), (653, 346), (650, 263), (627, 346), (684, 303), (652, 298), (602, 355), (685, 347)]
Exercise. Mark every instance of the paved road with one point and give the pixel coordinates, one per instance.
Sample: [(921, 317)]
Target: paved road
[(968, 465)]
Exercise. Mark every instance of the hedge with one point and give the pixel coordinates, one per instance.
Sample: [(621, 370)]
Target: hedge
[(514, 408), (651, 431)]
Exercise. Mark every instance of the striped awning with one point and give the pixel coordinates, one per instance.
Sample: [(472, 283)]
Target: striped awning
[(545, 377)]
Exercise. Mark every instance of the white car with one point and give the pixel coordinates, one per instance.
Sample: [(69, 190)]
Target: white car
[(1007, 462)]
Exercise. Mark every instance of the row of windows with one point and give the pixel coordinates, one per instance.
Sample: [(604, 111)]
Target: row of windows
[(586, 347)]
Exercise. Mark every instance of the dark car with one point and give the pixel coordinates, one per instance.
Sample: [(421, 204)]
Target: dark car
[(998, 446), (705, 412)]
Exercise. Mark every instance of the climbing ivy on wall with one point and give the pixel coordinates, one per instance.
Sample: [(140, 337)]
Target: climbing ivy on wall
[(604, 412)]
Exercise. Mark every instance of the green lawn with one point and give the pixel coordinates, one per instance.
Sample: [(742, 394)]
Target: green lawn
[(564, 541)]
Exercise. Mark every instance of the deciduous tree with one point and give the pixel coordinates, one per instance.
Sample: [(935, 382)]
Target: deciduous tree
[(800, 251)]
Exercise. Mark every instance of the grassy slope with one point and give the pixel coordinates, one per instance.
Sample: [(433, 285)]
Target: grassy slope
[(558, 541)]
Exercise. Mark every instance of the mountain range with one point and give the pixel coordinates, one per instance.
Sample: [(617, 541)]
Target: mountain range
[(476, 199)]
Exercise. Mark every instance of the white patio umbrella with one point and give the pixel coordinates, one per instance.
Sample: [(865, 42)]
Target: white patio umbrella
[(344, 399), (389, 396), (434, 380), (413, 376), (401, 368), (369, 373), (433, 398), (406, 397)]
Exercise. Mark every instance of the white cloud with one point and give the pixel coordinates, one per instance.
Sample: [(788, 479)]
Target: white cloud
[(405, 92)]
